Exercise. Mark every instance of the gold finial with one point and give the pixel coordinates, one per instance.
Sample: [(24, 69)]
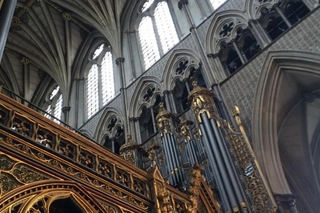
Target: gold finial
[(236, 111), (194, 83)]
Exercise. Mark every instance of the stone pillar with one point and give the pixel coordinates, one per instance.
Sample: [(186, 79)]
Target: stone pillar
[(26, 78), (6, 14), (66, 110), (167, 101), (260, 35), (240, 54), (119, 62), (208, 74), (283, 16)]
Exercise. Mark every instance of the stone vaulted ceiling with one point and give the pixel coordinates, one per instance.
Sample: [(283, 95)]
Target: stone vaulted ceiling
[(49, 39)]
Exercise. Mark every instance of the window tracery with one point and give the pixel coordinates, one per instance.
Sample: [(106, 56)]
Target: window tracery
[(150, 98), (189, 72), (279, 17), (100, 80), (234, 42), (156, 30), (113, 133)]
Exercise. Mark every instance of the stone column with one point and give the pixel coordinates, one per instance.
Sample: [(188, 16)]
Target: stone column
[(26, 78), (260, 35), (208, 74), (66, 110), (283, 16), (6, 15), (119, 62)]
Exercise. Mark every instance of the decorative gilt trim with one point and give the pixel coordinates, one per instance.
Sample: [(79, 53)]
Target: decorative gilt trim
[(258, 189), (200, 190), (201, 101), (163, 119)]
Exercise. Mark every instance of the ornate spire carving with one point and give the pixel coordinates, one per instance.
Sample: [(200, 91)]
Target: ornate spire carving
[(201, 101)]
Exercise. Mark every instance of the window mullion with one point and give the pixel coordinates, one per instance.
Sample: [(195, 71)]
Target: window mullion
[(153, 120), (156, 32), (100, 86), (238, 52), (174, 19)]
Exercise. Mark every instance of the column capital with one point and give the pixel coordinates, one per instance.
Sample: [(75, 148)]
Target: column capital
[(182, 2), (119, 60), (66, 109), (66, 16), (212, 55), (25, 60), (167, 92), (134, 119)]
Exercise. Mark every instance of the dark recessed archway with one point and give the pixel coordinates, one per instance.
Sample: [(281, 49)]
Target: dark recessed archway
[(66, 205)]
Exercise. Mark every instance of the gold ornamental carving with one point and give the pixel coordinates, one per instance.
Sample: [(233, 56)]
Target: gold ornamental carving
[(164, 197), (261, 196), (127, 150), (25, 60), (164, 119), (201, 101), (184, 130), (195, 189), (66, 16)]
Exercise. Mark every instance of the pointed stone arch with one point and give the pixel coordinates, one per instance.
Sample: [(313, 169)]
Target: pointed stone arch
[(253, 7), (54, 189), (108, 114), (137, 102), (213, 39), (268, 107), (169, 76)]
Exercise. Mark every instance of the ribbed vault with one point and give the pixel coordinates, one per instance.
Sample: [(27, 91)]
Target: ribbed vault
[(48, 37)]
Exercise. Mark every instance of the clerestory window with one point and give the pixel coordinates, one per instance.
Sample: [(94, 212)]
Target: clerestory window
[(157, 33), (100, 80), (55, 104)]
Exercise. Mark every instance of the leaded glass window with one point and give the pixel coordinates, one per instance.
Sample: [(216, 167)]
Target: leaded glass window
[(157, 33), (100, 80), (92, 91), (148, 42), (167, 32), (107, 78), (55, 104), (58, 108)]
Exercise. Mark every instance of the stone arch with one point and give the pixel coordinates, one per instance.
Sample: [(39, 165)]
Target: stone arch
[(108, 114), (54, 189), (137, 102), (271, 107), (254, 7), (169, 76), (228, 21)]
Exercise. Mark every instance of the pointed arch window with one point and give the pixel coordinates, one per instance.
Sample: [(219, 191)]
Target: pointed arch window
[(157, 33), (100, 80), (92, 91), (58, 108), (282, 16), (55, 104)]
